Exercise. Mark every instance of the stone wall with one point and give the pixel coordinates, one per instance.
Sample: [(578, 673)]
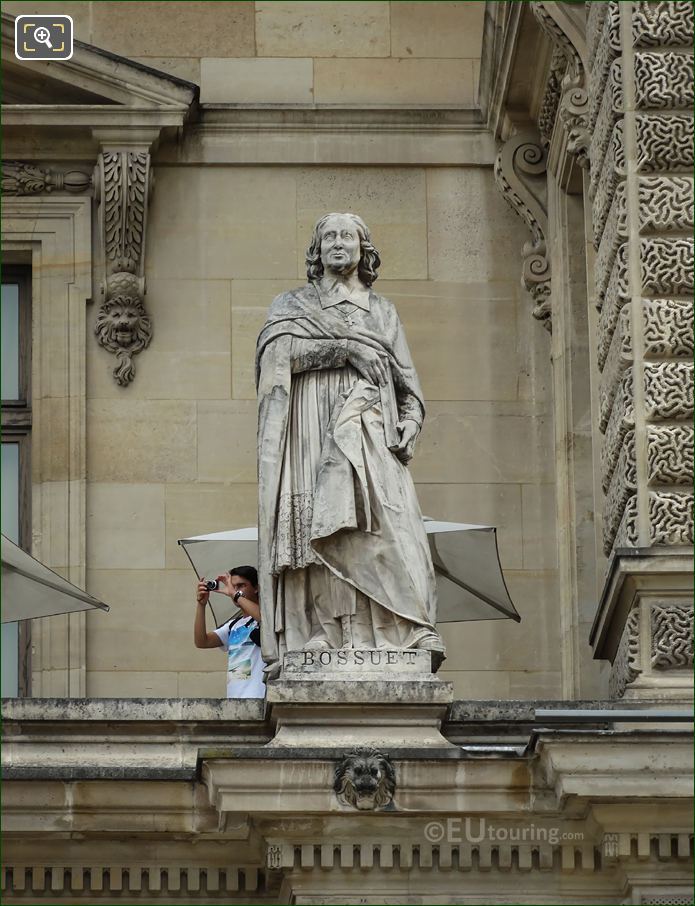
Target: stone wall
[(606, 127), (173, 453), (641, 190), (369, 52), (180, 802), (642, 198)]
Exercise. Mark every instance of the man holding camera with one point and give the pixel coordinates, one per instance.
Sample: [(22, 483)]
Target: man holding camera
[(240, 637)]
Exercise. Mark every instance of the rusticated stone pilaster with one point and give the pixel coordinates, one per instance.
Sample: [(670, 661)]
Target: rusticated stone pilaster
[(641, 84)]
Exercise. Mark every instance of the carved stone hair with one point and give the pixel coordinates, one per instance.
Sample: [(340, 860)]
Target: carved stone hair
[(367, 269)]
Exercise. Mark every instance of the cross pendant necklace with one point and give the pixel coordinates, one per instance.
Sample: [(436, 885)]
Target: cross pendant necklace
[(347, 313)]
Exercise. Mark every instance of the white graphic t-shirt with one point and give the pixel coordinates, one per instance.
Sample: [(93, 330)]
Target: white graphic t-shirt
[(244, 662)]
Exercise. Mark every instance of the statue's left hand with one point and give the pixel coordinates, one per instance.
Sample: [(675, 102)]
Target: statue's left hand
[(409, 430)]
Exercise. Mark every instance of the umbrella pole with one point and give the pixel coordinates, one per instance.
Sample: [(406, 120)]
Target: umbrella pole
[(214, 616)]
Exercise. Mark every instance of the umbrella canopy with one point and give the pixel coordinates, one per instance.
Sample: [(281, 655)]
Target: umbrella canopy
[(470, 584), (30, 589), (212, 555)]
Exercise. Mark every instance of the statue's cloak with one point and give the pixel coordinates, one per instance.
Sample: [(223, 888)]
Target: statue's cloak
[(366, 526)]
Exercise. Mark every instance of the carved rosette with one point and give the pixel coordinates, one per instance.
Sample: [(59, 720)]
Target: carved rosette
[(123, 326), (520, 176), (21, 178), (566, 99)]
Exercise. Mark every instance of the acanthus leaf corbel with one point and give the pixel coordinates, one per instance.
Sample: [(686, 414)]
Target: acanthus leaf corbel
[(520, 169), (124, 185), (572, 107)]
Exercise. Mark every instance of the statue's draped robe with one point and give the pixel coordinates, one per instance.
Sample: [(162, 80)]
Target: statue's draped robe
[(340, 528)]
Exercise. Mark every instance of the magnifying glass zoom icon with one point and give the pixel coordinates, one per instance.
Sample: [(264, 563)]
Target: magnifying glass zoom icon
[(43, 36)]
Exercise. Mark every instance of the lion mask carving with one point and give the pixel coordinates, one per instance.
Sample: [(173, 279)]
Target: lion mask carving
[(123, 327), (365, 779)]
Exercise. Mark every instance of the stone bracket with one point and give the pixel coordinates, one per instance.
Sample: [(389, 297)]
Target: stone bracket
[(567, 99), (520, 170), (123, 187)]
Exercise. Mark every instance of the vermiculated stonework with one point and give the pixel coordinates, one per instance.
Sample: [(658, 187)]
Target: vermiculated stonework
[(637, 99), (626, 666), (672, 636)]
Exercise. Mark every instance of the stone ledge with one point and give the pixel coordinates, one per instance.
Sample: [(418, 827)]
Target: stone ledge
[(406, 692), (195, 710), (334, 753), (97, 772)]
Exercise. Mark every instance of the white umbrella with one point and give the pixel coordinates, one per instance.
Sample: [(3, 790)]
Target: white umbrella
[(30, 589), (470, 584), (212, 555)]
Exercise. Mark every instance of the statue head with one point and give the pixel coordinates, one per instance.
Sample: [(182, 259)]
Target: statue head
[(318, 255), (124, 327), (365, 779)]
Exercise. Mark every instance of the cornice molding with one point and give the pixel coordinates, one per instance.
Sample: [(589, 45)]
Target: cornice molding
[(117, 79)]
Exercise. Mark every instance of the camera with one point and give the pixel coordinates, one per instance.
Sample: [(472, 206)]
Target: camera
[(212, 585)]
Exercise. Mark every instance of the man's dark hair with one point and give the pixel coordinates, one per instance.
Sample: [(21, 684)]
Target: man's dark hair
[(246, 572)]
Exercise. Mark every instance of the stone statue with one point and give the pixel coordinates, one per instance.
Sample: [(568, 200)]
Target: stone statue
[(343, 555)]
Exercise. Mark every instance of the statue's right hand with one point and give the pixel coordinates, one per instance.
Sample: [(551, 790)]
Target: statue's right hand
[(371, 364), (202, 594)]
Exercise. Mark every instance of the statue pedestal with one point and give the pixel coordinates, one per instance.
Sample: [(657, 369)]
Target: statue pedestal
[(380, 697)]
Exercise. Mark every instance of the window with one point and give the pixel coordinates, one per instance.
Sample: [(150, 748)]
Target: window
[(15, 383)]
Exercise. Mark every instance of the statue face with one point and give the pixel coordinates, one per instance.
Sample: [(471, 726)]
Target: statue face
[(340, 245)]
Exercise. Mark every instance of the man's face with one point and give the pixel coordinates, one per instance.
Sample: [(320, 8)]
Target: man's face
[(340, 245), (239, 583)]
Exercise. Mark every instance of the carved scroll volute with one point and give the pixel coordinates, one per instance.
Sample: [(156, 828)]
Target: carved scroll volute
[(573, 105), (123, 326), (520, 170)]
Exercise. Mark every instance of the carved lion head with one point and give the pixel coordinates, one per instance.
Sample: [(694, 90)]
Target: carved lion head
[(123, 327), (365, 779)]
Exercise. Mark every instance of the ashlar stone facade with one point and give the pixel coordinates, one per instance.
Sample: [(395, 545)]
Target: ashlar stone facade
[(525, 169)]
